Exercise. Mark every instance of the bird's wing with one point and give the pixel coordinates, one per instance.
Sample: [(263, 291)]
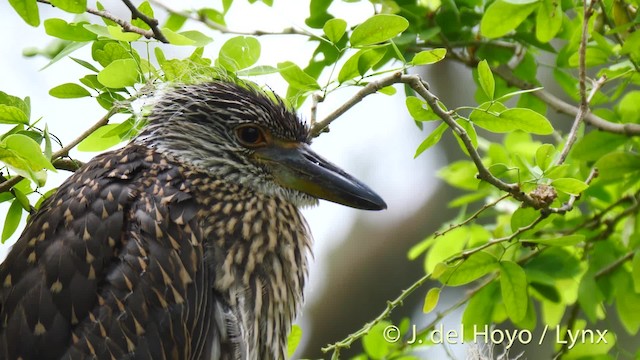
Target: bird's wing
[(111, 267)]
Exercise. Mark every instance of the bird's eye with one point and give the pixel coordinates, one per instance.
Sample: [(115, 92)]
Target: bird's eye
[(250, 135)]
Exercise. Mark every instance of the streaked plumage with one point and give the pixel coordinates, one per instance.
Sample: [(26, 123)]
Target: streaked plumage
[(185, 244)]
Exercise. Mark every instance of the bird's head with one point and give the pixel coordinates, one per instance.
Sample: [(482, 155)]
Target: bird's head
[(250, 137)]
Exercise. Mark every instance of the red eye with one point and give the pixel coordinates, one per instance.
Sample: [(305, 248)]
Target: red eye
[(250, 135)]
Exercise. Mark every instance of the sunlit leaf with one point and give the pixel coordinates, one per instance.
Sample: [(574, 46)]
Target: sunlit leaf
[(427, 57), (377, 29), (239, 53), (431, 300), (334, 29), (485, 78), (502, 17), (69, 91), (120, 73)]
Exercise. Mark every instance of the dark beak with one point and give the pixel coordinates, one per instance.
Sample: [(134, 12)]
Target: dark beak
[(297, 167)]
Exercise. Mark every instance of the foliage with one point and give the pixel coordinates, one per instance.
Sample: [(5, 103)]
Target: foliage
[(559, 239)]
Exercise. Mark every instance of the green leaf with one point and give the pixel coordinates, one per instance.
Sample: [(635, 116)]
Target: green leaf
[(47, 143), (510, 120), (502, 17), (369, 58), (174, 21), (293, 340), (239, 53), (98, 141), (486, 80), (63, 30), (197, 38), (85, 64), (12, 220), (258, 70), (427, 57), (146, 9), (513, 286), (635, 271), (568, 240), (28, 11), (629, 107), (15, 101), (72, 6), (70, 48), (431, 140), (628, 305), (431, 300), (419, 109), (120, 73), (27, 149), (349, 69), (523, 216), (569, 186), (99, 30), (375, 344), (548, 20), (213, 15), (545, 155), (176, 38), (117, 33), (596, 144), (479, 311), (334, 29), (69, 91), (296, 77), (377, 29), (12, 115), (617, 165), (471, 269)]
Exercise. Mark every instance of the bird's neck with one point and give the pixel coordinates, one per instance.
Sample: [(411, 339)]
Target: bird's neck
[(258, 248)]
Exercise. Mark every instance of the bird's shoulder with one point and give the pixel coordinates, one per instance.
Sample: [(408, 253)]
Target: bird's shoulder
[(81, 249)]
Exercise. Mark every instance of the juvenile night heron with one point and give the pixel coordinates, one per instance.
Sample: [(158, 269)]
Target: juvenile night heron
[(185, 244)]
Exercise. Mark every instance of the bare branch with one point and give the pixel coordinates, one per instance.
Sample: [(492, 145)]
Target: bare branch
[(367, 90), (127, 26)]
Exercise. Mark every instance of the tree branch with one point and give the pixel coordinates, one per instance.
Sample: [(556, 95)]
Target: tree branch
[(583, 108), (152, 22), (155, 33)]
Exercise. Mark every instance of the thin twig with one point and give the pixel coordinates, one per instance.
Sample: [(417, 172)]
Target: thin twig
[(465, 254), (472, 217), (614, 265), (125, 25), (384, 314)]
